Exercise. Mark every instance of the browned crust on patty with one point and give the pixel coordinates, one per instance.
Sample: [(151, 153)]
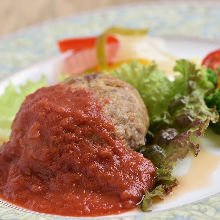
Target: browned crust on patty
[(121, 102)]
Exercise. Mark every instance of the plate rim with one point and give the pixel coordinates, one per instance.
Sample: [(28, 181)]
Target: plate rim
[(98, 11)]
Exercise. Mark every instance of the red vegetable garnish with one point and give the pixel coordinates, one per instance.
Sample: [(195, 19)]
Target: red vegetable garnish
[(78, 44), (212, 60), (83, 56)]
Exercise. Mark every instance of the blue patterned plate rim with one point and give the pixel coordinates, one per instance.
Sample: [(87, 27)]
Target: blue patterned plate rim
[(162, 3)]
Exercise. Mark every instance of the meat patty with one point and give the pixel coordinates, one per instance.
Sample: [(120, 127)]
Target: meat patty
[(64, 156), (121, 102)]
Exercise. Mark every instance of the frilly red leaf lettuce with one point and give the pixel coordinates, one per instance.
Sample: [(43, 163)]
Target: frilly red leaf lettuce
[(178, 115)]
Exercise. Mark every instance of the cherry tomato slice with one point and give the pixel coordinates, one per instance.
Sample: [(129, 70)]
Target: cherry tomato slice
[(212, 60), (78, 44)]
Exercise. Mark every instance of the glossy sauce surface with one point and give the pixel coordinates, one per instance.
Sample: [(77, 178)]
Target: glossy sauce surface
[(63, 157)]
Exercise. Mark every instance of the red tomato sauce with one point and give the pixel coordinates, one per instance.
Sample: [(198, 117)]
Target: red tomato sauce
[(64, 158)]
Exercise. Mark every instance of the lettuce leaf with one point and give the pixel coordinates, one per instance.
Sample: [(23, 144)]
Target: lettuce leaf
[(146, 202), (165, 183), (62, 77), (187, 112), (213, 100), (178, 115), (174, 106), (154, 87), (10, 102)]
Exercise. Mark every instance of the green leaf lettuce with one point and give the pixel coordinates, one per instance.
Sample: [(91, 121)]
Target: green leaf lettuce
[(10, 103), (178, 115)]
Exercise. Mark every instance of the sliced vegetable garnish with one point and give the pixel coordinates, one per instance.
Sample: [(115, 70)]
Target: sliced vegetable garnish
[(212, 60), (101, 42), (83, 56), (10, 102), (113, 66), (78, 44)]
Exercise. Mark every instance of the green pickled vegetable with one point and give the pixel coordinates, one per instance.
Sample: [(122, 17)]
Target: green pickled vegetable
[(101, 42)]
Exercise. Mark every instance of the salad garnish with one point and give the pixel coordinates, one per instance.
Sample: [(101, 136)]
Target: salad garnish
[(178, 114), (10, 103)]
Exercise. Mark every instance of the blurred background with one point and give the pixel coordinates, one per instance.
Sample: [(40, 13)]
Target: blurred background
[(17, 14)]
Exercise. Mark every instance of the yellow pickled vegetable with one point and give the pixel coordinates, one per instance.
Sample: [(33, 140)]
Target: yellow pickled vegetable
[(101, 42)]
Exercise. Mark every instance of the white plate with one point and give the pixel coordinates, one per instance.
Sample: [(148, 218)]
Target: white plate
[(181, 48)]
